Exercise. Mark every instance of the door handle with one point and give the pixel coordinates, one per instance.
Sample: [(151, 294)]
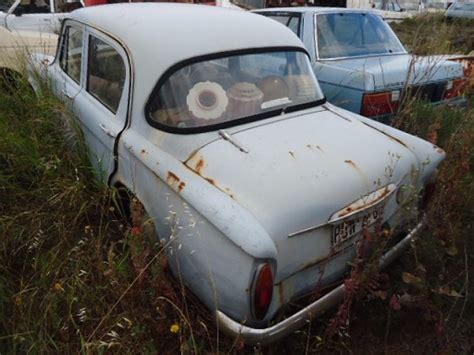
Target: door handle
[(69, 96), (107, 131)]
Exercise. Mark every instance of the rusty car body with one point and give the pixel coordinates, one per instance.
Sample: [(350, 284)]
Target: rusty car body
[(363, 67), (259, 189)]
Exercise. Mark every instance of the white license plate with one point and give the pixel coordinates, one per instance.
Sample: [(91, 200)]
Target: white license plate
[(349, 228)]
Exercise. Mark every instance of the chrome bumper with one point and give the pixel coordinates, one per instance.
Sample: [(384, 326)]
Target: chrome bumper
[(254, 336)]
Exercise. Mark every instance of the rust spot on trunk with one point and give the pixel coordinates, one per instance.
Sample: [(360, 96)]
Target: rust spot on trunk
[(350, 162), (199, 166), (396, 140), (143, 151), (362, 206), (181, 186)]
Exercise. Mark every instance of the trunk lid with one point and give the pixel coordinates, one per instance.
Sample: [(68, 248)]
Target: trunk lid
[(298, 173), (394, 71)]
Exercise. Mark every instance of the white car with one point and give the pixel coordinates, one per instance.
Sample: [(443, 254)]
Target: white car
[(15, 47), (259, 189), (35, 15)]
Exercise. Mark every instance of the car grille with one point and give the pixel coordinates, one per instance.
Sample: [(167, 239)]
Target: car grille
[(429, 92)]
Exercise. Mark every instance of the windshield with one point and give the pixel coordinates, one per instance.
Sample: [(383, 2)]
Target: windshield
[(224, 90), (354, 34)]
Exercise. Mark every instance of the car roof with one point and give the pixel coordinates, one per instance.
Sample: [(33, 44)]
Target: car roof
[(189, 30), (158, 36), (314, 9)]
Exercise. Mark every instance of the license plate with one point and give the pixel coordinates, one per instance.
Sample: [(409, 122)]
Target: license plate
[(349, 228)]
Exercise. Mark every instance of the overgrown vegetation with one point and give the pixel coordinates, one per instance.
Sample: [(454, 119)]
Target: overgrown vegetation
[(76, 275), (432, 33)]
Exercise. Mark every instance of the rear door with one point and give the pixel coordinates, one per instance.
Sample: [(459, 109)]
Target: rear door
[(102, 104)]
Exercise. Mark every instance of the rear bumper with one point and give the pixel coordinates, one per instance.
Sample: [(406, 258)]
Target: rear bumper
[(254, 336), (458, 102)]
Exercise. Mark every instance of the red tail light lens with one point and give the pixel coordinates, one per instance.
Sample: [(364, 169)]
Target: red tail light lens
[(263, 291), (379, 104), (454, 88)]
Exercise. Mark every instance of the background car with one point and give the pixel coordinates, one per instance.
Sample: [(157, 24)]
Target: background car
[(35, 15), (362, 66), (16, 46), (460, 10), (259, 189)]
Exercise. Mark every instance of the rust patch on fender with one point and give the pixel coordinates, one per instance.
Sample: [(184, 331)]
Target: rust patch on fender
[(175, 182), (350, 162), (196, 164), (172, 178)]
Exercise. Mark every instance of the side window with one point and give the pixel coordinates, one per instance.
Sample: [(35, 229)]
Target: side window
[(290, 21), (32, 7), (71, 53), (105, 73), (294, 24)]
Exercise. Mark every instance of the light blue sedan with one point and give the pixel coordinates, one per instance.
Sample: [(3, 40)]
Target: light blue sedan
[(361, 64)]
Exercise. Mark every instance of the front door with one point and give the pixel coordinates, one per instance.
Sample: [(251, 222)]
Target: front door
[(102, 106)]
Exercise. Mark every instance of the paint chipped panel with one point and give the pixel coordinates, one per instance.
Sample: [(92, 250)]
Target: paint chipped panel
[(364, 202), (198, 164)]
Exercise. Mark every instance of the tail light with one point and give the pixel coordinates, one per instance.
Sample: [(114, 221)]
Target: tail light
[(454, 88), (379, 104), (263, 291), (427, 195)]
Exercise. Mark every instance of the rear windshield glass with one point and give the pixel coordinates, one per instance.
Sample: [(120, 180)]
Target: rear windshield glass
[(225, 90), (354, 34)]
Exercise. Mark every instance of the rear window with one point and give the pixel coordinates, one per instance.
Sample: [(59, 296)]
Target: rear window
[(354, 34), (225, 90)]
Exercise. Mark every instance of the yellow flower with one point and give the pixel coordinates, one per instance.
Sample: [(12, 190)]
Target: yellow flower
[(174, 328), (58, 287)]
